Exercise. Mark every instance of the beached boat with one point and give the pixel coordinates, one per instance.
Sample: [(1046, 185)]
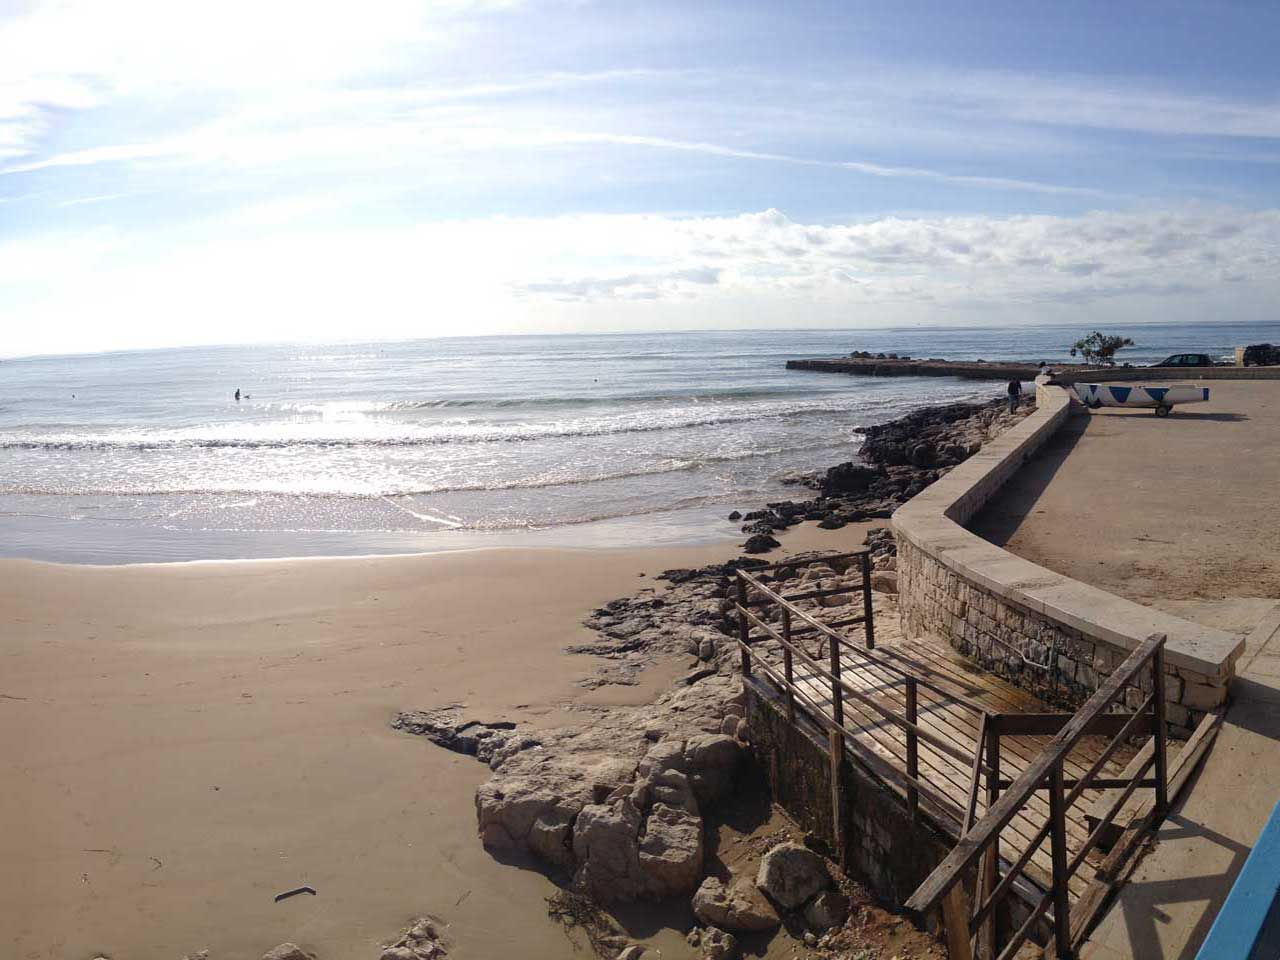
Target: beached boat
[(1162, 399)]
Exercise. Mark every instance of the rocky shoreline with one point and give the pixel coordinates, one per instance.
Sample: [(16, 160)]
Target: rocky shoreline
[(898, 460), (616, 808)]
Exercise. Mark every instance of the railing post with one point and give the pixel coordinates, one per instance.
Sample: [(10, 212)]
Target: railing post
[(868, 617), (1058, 845), (744, 626), (1161, 732), (837, 695), (913, 759), (990, 875), (786, 665)]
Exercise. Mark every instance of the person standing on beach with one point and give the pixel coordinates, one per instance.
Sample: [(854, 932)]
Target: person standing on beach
[(1015, 393)]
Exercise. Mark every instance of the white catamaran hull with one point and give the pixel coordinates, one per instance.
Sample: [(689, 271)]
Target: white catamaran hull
[(1094, 395)]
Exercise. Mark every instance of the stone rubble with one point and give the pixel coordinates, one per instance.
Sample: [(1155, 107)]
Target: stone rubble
[(423, 940)]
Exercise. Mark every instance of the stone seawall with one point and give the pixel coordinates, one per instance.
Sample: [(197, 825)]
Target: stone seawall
[(1004, 611)]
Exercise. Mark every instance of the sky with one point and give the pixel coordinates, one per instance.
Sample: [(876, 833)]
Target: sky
[(175, 172)]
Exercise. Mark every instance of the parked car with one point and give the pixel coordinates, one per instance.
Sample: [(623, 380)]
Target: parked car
[(1261, 355), (1187, 360)]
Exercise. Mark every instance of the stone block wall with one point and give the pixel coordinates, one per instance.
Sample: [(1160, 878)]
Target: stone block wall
[(998, 634)]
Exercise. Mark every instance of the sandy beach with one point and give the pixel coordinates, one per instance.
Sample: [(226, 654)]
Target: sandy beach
[(182, 742)]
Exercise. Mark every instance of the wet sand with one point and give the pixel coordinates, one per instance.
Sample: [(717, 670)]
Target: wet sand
[(181, 742)]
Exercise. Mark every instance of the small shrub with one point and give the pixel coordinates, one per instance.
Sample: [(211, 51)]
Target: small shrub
[(1098, 347)]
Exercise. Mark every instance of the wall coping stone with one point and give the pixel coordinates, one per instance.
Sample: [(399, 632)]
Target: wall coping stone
[(933, 522)]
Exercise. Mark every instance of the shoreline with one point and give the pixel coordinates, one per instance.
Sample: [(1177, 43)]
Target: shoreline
[(231, 722)]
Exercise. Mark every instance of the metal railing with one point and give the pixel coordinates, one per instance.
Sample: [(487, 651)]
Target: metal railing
[(980, 843)]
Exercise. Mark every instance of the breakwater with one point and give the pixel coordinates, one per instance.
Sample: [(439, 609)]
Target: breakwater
[(970, 369), (1064, 373)]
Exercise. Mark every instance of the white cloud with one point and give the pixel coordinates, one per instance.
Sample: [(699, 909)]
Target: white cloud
[(503, 274)]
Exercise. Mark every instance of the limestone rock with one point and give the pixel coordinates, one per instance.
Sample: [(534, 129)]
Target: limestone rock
[(712, 761), (884, 581), (828, 909), (423, 940), (738, 907), (791, 873), (606, 848), (672, 851), (718, 945), (288, 951)]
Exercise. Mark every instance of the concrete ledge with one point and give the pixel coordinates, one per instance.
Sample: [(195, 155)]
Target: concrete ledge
[(982, 597)]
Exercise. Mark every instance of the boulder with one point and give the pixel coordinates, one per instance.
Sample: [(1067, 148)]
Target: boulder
[(828, 909), (760, 543), (849, 477), (791, 873), (884, 581), (288, 951), (737, 907), (719, 945)]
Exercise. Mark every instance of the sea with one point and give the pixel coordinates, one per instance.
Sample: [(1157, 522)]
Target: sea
[(438, 444)]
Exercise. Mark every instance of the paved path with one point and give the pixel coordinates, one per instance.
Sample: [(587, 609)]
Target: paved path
[(1152, 508), (1168, 905)]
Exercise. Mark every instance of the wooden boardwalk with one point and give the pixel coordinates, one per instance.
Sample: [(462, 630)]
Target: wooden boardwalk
[(949, 690)]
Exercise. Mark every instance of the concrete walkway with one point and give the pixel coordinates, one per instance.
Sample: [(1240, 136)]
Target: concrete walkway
[(1168, 905)]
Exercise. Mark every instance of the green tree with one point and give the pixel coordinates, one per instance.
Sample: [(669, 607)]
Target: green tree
[(1100, 348)]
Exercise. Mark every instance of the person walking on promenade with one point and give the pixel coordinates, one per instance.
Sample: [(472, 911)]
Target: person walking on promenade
[(1015, 393)]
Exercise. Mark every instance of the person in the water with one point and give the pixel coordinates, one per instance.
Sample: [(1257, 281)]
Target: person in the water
[(237, 394)]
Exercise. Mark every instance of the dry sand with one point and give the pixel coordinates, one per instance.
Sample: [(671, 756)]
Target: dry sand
[(179, 743), (1180, 508)]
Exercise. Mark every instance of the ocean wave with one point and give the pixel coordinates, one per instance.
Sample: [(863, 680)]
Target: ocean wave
[(538, 402), (428, 436), (540, 482)]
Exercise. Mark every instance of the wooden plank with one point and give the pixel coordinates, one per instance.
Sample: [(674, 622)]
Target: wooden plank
[(975, 777), (955, 924), (1058, 842), (1047, 724), (972, 844)]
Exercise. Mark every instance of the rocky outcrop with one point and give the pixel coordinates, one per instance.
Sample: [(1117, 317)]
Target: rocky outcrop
[(898, 460), (615, 804)]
